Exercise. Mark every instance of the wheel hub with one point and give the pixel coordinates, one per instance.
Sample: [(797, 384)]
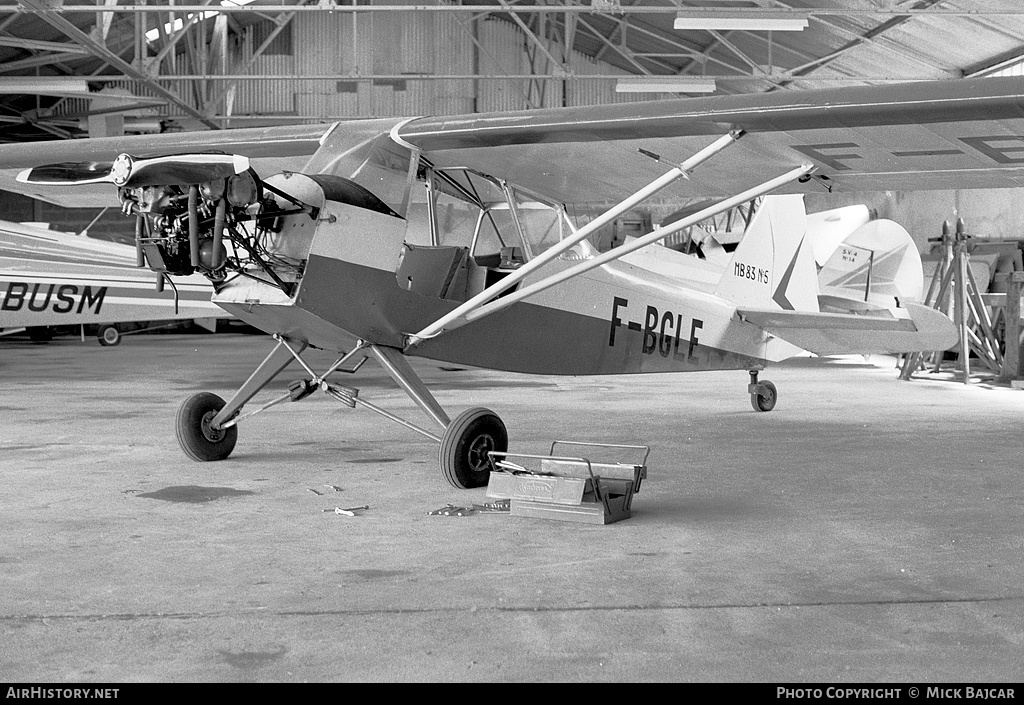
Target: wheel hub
[(478, 449), (212, 434)]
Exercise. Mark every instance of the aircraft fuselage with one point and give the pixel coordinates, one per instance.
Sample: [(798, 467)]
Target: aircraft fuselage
[(618, 318)]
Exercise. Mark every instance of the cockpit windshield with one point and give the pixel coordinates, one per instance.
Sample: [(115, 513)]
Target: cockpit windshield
[(459, 207)]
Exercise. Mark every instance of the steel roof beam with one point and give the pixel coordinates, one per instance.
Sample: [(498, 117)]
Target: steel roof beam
[(559, 69), (721, 38), (869, 38), (62, 24), (624, 52), (171, 42), (881, 78), (39, 45), (676, 43), (481, 48), (281, 23), (42, 60), (103, 20), (671, 9)]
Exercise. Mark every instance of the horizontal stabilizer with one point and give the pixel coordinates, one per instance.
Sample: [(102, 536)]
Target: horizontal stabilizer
[(843, 333), (128, 171)]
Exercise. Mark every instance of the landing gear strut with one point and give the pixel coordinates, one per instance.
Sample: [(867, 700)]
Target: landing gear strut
[(207, 425), (762, 394)]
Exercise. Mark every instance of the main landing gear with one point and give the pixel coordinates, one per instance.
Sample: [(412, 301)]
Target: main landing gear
[(464, 446), (762, 394), (207, 426), (109, 335), (197, 437)]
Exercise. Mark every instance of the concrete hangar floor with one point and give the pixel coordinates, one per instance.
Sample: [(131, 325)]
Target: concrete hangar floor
[(867, 529)]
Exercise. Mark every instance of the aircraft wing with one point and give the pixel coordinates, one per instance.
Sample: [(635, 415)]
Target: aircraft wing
[(270, 150), (839, 333), (292, 140), (929, 135)]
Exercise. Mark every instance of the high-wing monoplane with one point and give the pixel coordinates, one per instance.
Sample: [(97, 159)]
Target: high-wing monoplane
[(451, 237)]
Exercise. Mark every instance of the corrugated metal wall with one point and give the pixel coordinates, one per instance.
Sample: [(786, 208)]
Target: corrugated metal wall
[(380, 44), (501, 53), (396, 45)]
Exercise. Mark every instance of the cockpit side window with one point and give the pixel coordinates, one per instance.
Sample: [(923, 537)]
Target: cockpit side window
[(456, 220)]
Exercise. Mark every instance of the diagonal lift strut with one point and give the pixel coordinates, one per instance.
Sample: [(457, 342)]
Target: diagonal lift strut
[(482, 304), (456, 317)]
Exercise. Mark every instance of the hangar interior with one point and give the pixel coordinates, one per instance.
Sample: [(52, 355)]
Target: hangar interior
[(70, 70), (886, 591), (139, 69)]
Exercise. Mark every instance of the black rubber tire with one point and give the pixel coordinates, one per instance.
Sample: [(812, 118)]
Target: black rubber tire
[(196, 438), (765, 402), (40, 335), (108, 335), (464, 446)]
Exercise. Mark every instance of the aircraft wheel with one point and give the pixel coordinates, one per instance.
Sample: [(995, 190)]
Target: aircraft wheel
[(465, 444), (766, 401), (109, 335), (197, 439), (40, 334)]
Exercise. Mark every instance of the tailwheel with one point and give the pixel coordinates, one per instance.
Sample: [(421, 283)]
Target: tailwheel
[(465, 444), (765, 397), (197, 438)]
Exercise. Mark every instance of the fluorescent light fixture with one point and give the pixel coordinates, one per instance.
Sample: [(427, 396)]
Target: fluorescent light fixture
[(748, 21), (665, 84), (44, 85)]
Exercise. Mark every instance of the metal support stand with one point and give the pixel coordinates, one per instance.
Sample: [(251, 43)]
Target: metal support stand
[(1012, 359), (956, 291)]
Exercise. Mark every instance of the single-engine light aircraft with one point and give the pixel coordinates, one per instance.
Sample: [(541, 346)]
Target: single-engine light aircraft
[(50, 279), (449, 237)]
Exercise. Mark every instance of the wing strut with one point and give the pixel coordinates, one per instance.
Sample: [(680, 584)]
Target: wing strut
[(652, 237), (608, 216)]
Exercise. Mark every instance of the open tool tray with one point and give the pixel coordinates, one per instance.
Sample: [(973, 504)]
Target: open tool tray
[(569, 488)]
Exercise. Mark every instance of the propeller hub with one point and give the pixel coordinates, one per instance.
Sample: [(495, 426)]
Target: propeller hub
[(121, 169)]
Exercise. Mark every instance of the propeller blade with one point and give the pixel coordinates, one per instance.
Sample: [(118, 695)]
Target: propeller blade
[(132, 172), (67, 173), (179, 169)]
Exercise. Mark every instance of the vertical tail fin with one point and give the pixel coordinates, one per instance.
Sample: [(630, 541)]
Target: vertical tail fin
[(773, 266), (878, 263)]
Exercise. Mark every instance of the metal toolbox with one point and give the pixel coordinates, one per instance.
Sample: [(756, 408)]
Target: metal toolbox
[(569, 488)]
